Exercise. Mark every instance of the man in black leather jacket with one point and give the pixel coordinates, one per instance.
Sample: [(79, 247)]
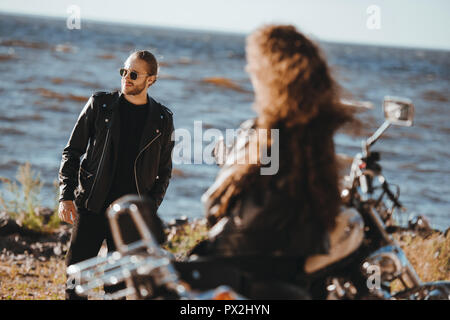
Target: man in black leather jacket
[(126, 139)]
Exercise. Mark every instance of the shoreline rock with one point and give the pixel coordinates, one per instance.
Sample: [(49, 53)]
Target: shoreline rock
[(17, 241)]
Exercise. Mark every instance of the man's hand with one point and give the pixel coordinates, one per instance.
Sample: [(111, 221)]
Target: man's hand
[(67, 211)]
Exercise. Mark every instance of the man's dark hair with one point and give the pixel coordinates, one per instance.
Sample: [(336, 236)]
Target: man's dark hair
[(148, 57)]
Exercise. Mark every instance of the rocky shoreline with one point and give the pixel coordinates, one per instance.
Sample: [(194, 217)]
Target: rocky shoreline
[(32, 263), (18, 242)]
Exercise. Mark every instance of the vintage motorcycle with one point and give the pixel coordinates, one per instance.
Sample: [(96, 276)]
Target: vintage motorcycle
[(146, 269), (364, 260)]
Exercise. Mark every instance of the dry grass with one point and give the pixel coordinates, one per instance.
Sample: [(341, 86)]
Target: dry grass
[(430, 256), (45, 280), (22, 198), (32, 279), (180, 240)]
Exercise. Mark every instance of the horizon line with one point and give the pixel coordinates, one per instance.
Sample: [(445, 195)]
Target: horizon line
[(221, 31)]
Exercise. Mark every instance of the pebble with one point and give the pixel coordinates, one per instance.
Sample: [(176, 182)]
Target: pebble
[(19, 247), (57, 250)]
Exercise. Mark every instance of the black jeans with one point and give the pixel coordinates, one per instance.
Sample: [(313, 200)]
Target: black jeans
[(88, 233)]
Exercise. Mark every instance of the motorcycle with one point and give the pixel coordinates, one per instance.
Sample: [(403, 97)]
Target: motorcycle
[(364, 260), (146, 269)]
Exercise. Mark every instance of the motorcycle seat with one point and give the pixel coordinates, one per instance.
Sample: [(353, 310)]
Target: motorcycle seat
[(345, 238)]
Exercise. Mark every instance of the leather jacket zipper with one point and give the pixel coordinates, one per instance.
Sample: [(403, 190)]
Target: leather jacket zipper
[(99, 166), (135, 174)]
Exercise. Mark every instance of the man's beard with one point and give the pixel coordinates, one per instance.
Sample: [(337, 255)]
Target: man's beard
[(134, 90)]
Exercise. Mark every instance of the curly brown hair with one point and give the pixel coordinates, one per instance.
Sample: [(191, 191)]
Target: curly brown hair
[(295, 93)]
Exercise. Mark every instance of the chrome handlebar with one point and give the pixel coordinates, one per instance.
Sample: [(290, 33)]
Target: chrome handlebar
[(143, 265), (148, 241)]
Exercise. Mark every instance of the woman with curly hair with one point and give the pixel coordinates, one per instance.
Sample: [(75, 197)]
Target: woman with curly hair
[(286, 215)]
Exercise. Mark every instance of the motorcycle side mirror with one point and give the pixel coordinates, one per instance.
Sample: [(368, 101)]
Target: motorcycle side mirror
[(398, 111)]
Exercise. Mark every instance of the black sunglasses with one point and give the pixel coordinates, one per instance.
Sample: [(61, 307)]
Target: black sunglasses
[(133, 74)]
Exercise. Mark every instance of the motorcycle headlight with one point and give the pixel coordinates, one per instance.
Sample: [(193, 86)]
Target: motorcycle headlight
[(386, 264)]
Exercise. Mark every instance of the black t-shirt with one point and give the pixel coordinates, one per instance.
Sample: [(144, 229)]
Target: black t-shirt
[(132, 122)]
